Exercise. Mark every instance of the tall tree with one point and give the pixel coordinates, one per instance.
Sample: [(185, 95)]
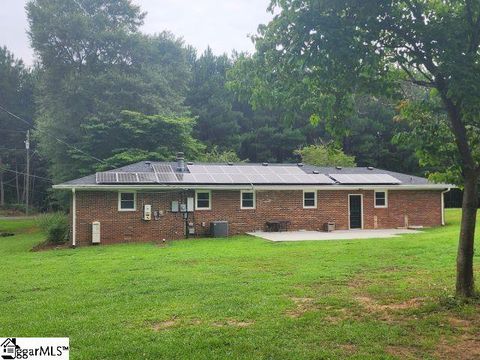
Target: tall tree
[(212, 104), (16, 96), (336, 48), (95, 64)]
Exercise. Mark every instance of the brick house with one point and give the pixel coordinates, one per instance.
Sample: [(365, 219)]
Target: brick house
[(155, 201)]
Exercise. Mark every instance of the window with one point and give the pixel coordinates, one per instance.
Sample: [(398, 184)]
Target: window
[(309, 199), (247, 200), (127, 201), (203, 200), (381, 200)]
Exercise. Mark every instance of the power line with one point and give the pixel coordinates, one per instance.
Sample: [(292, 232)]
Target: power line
[(56, 138), (35, 176)]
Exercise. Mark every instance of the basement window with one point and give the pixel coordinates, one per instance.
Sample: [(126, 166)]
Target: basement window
[(247, 199), (309, 199), (203, 200), (381, 199), (127, 201)]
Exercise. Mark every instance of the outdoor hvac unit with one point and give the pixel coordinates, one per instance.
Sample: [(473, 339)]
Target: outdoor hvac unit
[(219, 228), (96, 232)]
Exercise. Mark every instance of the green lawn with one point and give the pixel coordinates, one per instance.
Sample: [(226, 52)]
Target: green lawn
[(241, 298)]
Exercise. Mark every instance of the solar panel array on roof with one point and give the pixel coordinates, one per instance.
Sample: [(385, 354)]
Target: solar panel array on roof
[(105, 177), (239, 174), (165, 173), (364, 179), (252, 174), (125, 177), (146, 177)]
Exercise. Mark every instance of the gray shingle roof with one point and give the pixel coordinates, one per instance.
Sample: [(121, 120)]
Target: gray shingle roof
[(146, 166)]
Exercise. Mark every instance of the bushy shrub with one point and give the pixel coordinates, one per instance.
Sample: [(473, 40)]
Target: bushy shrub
[(56, 226)]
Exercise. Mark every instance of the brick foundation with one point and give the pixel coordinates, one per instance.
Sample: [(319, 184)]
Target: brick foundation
[(421, 208)]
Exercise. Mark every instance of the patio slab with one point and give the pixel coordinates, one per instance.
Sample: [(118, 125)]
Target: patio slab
[(335, 235)]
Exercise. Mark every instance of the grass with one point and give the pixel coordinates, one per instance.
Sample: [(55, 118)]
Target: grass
[(241, 298)]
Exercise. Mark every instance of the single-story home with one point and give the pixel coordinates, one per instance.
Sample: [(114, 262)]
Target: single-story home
[(156, 201)]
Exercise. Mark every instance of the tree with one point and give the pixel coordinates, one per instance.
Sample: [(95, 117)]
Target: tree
[(217, 156), (136, 138), (94, 65), (337, 48), (325, 155), (16, 96), (212, 103)]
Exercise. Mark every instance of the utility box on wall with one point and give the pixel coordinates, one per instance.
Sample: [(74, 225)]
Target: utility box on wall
[(219, 228), (96, 232), (147, 212), (190, 204)]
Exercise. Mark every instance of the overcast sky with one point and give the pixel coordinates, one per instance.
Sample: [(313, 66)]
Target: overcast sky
[(222, 24)]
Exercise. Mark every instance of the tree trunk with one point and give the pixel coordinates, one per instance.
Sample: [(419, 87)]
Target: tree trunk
[(465, 282)]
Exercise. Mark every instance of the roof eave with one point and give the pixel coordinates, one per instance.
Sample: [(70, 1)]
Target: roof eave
[(250, 186)]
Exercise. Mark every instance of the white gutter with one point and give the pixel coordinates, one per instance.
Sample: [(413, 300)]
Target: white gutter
[(443, 205), (94, 187), (74, 218)]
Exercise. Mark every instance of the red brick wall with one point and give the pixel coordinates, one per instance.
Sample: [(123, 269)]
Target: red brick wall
[(421, 207)]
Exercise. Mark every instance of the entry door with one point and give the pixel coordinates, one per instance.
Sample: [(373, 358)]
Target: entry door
[(355, 211)]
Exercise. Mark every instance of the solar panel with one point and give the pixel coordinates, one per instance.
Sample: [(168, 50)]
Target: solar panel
[(164, 177), (127, 177), (222, 178), (105, 177), (365, 178), (162, 168), (147, 177)]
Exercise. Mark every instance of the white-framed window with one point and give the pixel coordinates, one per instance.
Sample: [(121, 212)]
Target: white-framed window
[(247, 199), (309, 199), (127, 201), (381, 198), (203, 200)]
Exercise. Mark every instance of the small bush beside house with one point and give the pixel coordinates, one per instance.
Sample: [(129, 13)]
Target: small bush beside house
[(55, 226)]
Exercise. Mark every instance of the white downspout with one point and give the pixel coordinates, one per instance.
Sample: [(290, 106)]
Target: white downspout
[(74, 218), (443, 205)]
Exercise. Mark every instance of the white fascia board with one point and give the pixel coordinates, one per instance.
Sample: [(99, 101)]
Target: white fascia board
[(93, 187)]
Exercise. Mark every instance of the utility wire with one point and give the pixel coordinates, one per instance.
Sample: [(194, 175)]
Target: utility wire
[(35, 176), (56, 138)]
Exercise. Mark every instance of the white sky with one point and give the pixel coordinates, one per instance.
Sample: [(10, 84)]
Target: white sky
[(222, 24)]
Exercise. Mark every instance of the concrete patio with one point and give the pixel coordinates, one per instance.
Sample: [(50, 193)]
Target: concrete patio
[(335, 235)]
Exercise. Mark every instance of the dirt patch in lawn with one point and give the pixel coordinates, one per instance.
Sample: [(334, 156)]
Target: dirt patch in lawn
[(372, 305), (233, 323), (45, 246), (162, 325), (401, 352), (302, 305), (465, 347)]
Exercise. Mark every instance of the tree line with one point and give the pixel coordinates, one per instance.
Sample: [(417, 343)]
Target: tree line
[(102, 94)]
